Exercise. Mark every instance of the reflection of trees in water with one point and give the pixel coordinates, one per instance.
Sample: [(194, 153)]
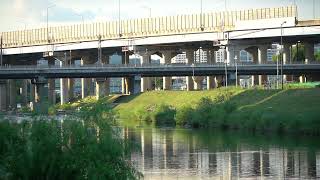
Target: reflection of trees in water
[(179, 154)]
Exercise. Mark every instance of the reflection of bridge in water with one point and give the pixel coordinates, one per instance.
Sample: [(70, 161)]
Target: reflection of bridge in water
[(183, 154)]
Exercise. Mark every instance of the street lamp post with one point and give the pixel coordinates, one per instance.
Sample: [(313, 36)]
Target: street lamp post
[(201, 18), (281, 54), (119, 9), (48, 22)]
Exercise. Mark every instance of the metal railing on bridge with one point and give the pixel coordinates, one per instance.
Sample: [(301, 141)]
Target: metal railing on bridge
[(241, 64)]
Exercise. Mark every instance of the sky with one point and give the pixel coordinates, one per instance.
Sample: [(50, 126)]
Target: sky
[(21, 14)]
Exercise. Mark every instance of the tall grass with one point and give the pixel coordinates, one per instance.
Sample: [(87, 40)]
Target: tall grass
[(85, 148)]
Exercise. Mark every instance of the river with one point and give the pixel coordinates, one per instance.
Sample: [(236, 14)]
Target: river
[(202, 154)]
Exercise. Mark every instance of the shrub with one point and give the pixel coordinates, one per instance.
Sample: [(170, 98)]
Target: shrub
[(184, 116), (86, 149), (164, 115)]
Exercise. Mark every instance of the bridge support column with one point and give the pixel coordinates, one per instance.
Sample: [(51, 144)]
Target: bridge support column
[(3, 95), (32, 93), (254, 80), (198, 82), (190, 60), (42, 105), (309, 52), (167, 81), (100, 88), (262, 59), (71, 88), (86, 83), (51, 91), (12, 94), (211, 80), (51, 85), (286, 57), (125, 61), (106, 60), (24, 92), (254, 53), (302, 79), (145, 81), (64, 84), (129, 84)]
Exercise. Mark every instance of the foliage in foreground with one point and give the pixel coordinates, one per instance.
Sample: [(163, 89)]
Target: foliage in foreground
[(69, 149)]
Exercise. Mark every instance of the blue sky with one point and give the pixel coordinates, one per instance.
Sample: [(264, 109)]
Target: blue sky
[(20, 14)]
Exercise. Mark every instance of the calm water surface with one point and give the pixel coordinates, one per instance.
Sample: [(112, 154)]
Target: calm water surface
[(202, 154)]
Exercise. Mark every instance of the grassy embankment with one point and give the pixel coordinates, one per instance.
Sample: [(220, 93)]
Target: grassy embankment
[(290, 110)]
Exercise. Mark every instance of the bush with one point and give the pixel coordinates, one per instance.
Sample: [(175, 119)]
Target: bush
[(184, 116), (164, 115), (86, 149)]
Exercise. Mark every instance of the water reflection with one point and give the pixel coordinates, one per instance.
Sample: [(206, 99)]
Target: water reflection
[(190, 154)]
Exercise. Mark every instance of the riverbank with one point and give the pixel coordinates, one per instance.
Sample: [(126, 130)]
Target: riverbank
[(291, 110)]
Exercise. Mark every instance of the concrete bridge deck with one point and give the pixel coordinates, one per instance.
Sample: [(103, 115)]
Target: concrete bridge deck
[(103, 71)]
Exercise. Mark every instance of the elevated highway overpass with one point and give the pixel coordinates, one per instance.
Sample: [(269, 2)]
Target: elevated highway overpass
[(253, 30)]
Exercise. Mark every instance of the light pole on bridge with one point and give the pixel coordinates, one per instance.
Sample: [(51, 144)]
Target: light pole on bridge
[(119, 9), (48, 21)]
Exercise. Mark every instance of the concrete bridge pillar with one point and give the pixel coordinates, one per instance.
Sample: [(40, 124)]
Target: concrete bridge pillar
[(106, 60), (262, 59), (309, 52), (51, 85), (12, 94), (64, 84), (190, 60), (32, 92), (254, 53), (129, 83), (145, 81), (198, 80), (125, 61), (42, 105), (85, 82), (286, 56), (3, 95), (167, 81), (100, 88), (24, 92), (302, 79), (211, 80)]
